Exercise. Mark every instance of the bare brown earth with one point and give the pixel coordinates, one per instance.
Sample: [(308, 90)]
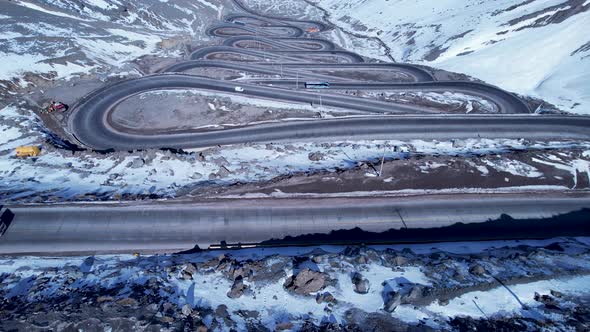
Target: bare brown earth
[(190, 110), (429, 173)]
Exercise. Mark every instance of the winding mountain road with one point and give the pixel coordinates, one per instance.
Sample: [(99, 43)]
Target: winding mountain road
[(297, 58), (282, 47)]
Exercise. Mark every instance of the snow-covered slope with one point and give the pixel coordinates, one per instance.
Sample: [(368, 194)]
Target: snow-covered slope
[(533, 47), (58, 38)]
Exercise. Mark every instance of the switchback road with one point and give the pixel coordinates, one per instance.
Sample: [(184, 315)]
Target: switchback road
[(296, 57)]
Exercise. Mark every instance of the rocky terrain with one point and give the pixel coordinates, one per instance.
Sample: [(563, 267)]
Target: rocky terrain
[(535, 48), (510, 285), (65, 172)]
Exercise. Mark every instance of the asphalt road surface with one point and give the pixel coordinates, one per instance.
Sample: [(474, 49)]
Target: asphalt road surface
[(170, 227)]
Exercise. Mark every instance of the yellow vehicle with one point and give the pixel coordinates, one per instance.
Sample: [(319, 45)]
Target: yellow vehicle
[(27, 151)]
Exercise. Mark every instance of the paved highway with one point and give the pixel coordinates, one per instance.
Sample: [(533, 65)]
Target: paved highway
[(169, 227)]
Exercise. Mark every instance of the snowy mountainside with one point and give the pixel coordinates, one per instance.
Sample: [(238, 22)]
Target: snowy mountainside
[(533, 47), (59, 38)]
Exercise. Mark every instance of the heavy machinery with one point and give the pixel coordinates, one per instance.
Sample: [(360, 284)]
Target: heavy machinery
[(55, 107), (27, 151)]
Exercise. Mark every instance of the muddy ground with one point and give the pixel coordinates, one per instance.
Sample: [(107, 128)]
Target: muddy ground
[(535, 169)]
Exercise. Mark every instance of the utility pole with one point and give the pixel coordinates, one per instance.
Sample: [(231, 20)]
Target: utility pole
[(538, 109), (382, 161)]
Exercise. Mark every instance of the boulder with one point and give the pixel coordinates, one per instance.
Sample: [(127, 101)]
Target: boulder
[(477, 270), (284, 326), (316, 156), (415, 293), (187, 310), (394, 299), (102, 299), (137, 163), (325, 297), (399, 260), (128, 302), (237, 289), (306, 282), (547, 300), (361, 285), (188, 271), (223, 172)]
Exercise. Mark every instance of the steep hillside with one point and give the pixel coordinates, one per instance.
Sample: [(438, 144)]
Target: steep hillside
[(54, 39), (533, 47)]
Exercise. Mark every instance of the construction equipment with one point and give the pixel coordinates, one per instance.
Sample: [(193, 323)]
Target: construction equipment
[(313, 30), (27, 151), (56, 107)]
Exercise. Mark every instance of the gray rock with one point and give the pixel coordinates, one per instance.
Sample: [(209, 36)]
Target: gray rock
[(187, 310), (223, 172), (306, 282), (325, 297), (443, 302), (237, 289), (316, 156), (477, 270), (377, 321), (415, 293), (188, 271), (317, 259), (237, 272), (394, 299), (361, 285), (547, 300), (137, 163), (284, 326)]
